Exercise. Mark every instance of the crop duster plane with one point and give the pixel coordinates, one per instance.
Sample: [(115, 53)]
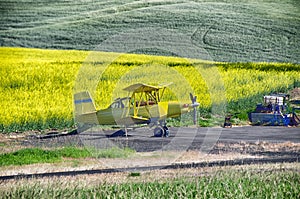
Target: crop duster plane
[(143, 106)]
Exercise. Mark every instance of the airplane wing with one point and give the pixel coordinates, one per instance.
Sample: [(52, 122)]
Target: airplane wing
[(138, 88), (131, 120)]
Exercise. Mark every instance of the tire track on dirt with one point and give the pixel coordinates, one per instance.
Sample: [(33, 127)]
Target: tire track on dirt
[(248, 161)]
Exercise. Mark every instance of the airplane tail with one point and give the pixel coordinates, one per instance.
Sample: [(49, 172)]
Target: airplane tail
[(85, 110)]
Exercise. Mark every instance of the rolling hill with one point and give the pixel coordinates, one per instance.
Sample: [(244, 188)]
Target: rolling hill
[(227, 30)]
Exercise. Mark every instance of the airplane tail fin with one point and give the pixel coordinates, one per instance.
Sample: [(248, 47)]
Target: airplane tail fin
[(85, 110)]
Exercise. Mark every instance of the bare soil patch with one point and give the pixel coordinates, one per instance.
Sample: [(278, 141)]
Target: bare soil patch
[(221, 152), (146, 176)]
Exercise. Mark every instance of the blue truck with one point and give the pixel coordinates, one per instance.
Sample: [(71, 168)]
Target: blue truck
[(274, 111)]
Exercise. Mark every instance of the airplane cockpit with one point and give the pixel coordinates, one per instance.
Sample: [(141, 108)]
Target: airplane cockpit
[(120, 102)]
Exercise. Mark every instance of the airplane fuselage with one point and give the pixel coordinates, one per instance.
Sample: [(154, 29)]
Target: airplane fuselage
[(144, 114)]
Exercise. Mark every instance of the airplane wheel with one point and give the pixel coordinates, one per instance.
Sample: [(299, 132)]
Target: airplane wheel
[(166, 131), (158, 131)]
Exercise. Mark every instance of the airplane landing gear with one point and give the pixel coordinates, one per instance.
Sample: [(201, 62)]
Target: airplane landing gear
[(161, 131), (166, 131)]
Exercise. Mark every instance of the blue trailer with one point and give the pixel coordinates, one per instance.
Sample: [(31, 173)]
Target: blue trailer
[(273, 111)]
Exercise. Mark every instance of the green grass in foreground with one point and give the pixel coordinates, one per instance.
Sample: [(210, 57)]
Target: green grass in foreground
[(221, 185), (37, 155)]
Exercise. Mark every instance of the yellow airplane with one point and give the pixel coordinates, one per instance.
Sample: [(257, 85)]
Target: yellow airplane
[(144, 106)]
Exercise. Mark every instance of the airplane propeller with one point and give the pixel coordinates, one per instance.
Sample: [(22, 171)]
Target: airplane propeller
[(195, 104), (194, 100)]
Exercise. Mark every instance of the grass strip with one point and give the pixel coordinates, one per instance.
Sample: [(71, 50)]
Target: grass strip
[(38, 155)]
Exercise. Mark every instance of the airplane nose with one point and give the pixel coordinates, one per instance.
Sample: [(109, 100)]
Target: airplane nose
[(195, 104), (185, 106), (189, 106)]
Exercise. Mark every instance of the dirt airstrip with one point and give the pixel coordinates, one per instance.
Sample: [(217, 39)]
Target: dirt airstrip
[(185, 146)]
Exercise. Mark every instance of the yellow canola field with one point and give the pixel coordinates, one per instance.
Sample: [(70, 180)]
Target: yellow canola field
[(37, 86)]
